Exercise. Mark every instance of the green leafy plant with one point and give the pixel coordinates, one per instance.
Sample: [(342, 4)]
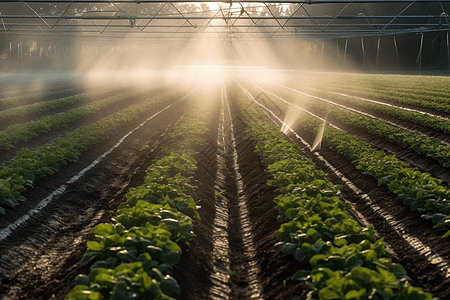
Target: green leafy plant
[(346, 260), (133, 257)]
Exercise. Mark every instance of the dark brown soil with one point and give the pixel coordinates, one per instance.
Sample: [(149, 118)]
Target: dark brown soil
[(40, 260), (50, 94), (88, 98), (432, 277), (276, 267), (57, 236), (419, 269), (49, 135)]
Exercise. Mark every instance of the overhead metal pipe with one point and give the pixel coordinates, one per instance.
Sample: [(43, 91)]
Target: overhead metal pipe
[(161, 17), (213, 1), (331, 27)]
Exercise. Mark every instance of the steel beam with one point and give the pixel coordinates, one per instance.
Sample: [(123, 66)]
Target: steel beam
[(213, 1)]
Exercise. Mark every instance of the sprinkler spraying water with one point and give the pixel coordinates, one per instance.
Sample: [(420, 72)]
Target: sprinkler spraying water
[(318, 141)]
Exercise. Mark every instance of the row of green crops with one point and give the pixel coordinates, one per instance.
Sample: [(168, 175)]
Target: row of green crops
[(23, 132), (431, 147), (419, 190), (424, 91), (409, 98), (425, 120), (134, 255), (16, 100), (39, 107), (28, 165), (347, 262)]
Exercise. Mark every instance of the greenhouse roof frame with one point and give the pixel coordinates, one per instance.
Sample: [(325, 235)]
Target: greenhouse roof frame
[(214, 1), (193, 19)]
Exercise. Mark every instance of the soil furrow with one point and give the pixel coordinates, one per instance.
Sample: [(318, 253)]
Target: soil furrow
[(413, 259), (52, 134), (251, 243), (87, 98), (410, 125), (74, 210), (275, 268), (422, 162), (417, 259)]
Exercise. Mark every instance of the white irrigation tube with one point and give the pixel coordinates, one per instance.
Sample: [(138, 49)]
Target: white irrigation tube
[(427, 252), (4, 233)]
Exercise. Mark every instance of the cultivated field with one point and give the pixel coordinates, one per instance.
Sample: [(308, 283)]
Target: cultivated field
[(268, 185)]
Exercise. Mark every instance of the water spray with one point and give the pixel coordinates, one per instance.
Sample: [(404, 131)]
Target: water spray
[(318, 141)]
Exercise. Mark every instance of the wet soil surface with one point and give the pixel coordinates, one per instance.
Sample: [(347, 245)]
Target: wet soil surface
[(47, 95), (423, 271), (432, 111), (87, 98), (275, 268), (48, 136), (41, 259), (42, 265), (409, 124), (391, 147)]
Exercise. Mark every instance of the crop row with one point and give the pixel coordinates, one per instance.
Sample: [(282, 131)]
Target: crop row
[(419, 190), (347, 262), (424, 91), (431, 147), (28, 165), (16, 100), (39, 107), (409, 98), (426, 120), (134, 254), (420, 85), (23, 132)]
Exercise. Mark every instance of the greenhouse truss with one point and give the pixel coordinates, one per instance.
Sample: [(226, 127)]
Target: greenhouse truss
[(164, 20)]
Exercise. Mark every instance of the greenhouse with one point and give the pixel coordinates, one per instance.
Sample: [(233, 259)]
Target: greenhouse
[(233, 150)]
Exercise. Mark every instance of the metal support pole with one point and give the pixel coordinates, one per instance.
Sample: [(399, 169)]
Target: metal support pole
[(364, 53), (337, 50), (448, 53), (419, 57), (323, 45), (378, 54), (20, 53), (396, 51), (432, 51), (345, 53)]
